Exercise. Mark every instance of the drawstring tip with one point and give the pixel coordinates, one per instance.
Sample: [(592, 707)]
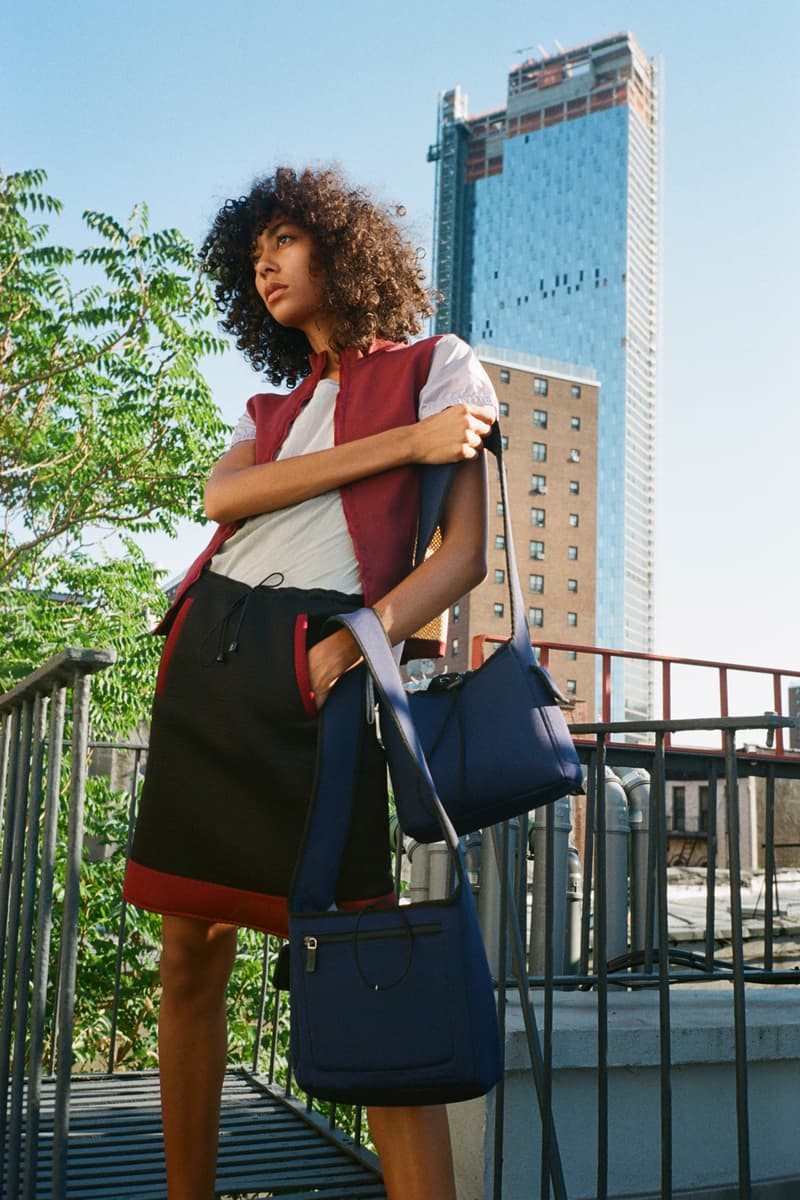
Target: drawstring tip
[(221, 656), (234, 646)]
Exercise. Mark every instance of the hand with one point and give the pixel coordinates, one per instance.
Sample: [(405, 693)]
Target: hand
[(452, 435), (328, 660)]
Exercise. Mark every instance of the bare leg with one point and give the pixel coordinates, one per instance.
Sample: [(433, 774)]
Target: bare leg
[(414, 1149), (196, 963)]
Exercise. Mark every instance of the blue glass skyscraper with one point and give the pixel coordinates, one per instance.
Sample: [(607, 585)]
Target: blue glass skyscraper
[(546, 242)]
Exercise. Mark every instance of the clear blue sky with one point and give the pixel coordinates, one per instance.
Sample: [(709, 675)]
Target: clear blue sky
[(181, 104)]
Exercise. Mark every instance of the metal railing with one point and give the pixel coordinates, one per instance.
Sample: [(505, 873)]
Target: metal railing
[(647, 960), (34, 716), (540, 953)]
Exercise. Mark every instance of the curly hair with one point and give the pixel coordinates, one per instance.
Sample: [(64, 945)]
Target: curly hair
[(373, 278)]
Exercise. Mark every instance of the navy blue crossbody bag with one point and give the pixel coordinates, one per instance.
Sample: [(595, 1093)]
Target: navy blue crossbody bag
[(390, 1006)]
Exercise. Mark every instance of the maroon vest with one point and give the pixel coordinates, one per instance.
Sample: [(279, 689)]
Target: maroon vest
[(378, 390)]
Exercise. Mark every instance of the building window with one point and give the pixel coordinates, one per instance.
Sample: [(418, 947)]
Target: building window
[(537, 517), (504, 440), (503, 409), (500, 542), (679, 807), (539, 451), (536, 583), (500, 510), (575, 422), (572, 552), (572, 687), (572, 585), (574, 456), (572, 618), (536, 617), (498, 608), (499, 575), (454, 645), (576, 391), (539, 386), (537, 549), (538, 485), (703, 796), (540, 418), (572, 655), (456, 611), (573, 520), (505, 376), (574, 487)]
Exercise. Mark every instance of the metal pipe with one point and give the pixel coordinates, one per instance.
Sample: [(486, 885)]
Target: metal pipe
[(574, 905), (418, 886), (557, 814), (616, 834), (636, 782), (438, 870), (489, 900)]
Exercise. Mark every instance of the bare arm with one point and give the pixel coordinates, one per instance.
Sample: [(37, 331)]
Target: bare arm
[(239, 487), (458, 565)]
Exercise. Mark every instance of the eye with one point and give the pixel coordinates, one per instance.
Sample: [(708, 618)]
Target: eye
[(284, 238)]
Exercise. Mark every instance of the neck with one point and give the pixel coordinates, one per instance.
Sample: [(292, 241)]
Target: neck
[(318, 333)]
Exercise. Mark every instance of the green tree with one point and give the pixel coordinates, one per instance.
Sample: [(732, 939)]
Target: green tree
[(107, 429)]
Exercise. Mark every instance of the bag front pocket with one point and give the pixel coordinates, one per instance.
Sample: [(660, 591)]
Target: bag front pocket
[(302, 677)]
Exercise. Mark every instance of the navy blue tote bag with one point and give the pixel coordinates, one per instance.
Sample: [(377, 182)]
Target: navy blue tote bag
[(390, 1006), (495, 739)]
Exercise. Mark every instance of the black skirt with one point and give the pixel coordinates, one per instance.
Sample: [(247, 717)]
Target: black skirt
[(230, 770)]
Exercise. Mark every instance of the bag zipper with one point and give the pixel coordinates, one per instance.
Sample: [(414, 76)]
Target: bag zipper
[(312, 943)]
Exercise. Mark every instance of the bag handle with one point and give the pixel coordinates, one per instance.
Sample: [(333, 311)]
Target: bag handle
[(313, 888), (434, 490)]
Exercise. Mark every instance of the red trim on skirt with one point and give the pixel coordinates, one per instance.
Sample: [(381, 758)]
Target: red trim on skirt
[(176, 896)]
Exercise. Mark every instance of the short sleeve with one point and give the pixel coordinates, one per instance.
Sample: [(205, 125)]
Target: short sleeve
[(245, 430), (455, 377)]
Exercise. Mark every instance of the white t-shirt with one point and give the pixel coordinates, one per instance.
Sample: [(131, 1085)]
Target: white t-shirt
[(309, 543)]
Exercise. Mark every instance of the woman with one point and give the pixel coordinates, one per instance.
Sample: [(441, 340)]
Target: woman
[(316, 503)]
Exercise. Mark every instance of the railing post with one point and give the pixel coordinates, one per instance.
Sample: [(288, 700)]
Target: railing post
[(26, 915), (69, 932), (43, 932), (737, 947), (12, 893)]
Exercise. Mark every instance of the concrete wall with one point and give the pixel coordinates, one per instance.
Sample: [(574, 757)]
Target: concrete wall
[(703, 1099)]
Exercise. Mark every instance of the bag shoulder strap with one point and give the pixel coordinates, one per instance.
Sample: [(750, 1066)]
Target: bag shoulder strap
[(434, 490), (313, 887)]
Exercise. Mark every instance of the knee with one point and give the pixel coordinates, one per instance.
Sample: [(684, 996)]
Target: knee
[(196, 960)]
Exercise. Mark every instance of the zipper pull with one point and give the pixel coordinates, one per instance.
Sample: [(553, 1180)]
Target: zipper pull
[(310, 944)]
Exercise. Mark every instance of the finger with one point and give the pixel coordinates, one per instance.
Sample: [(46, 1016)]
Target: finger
[(484, 411)]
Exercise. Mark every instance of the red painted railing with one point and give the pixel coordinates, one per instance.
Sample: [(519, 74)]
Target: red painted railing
[(777, 675)]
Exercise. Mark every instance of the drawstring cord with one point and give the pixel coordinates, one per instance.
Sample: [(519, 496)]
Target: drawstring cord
[(273, 580)]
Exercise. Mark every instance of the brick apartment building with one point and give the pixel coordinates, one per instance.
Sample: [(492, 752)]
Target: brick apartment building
[(548, 418)]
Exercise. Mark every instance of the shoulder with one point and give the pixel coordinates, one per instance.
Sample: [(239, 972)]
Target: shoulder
[(456, 376)]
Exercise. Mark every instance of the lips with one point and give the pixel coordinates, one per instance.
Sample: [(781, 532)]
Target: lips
[(276, 290)]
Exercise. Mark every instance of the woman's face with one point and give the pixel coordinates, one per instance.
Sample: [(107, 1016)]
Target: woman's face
[(286, 279)]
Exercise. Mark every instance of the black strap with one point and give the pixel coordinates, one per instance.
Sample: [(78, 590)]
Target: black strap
[(434, 490)]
